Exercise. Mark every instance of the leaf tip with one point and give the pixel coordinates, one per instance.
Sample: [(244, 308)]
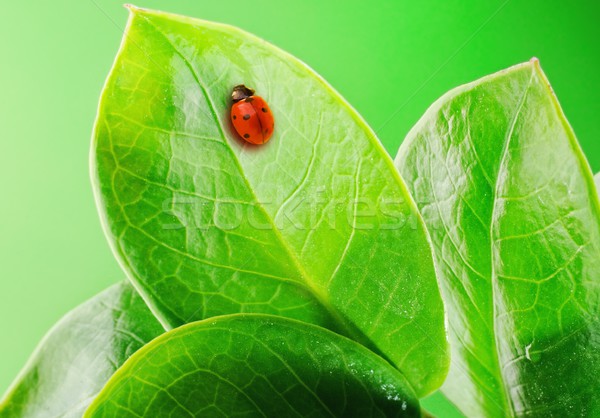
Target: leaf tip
[(535, 61), (132, 8)]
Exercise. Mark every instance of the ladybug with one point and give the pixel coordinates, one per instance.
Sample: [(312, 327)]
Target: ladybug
[(251, 116)]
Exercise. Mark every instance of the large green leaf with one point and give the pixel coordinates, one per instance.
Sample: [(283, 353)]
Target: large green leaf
[(316, 225), (510, 204), (254, 365), (77, 357)]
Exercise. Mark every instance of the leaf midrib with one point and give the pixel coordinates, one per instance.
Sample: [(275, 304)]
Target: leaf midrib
[(508, 406)]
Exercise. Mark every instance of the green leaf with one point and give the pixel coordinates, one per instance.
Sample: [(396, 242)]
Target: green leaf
[(253, 365), (597, 181), (510, 204), (316, 225), (77, 357)]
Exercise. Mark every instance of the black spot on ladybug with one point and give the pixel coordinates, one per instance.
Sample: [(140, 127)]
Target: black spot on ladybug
[(246, 116), (246, 136), (264, 109), (266, 131), (234, 117)]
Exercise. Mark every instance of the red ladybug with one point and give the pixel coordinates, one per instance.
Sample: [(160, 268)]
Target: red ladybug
[(251, 116)]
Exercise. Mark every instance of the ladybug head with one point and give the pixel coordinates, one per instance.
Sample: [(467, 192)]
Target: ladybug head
[(240, 92)]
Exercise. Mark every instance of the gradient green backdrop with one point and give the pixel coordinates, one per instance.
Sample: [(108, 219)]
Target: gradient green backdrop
[(390, 59)]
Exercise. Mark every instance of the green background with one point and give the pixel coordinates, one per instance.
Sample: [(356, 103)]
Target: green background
[(390, 59)]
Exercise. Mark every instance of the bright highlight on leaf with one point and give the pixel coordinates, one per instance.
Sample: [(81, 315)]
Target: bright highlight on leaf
[(512, 210), (255, 366), (316, 225)]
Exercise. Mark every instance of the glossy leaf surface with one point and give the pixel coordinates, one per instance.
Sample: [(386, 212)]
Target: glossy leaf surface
[(255, 366), (511, 207), (78, 356), (316, 225)]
